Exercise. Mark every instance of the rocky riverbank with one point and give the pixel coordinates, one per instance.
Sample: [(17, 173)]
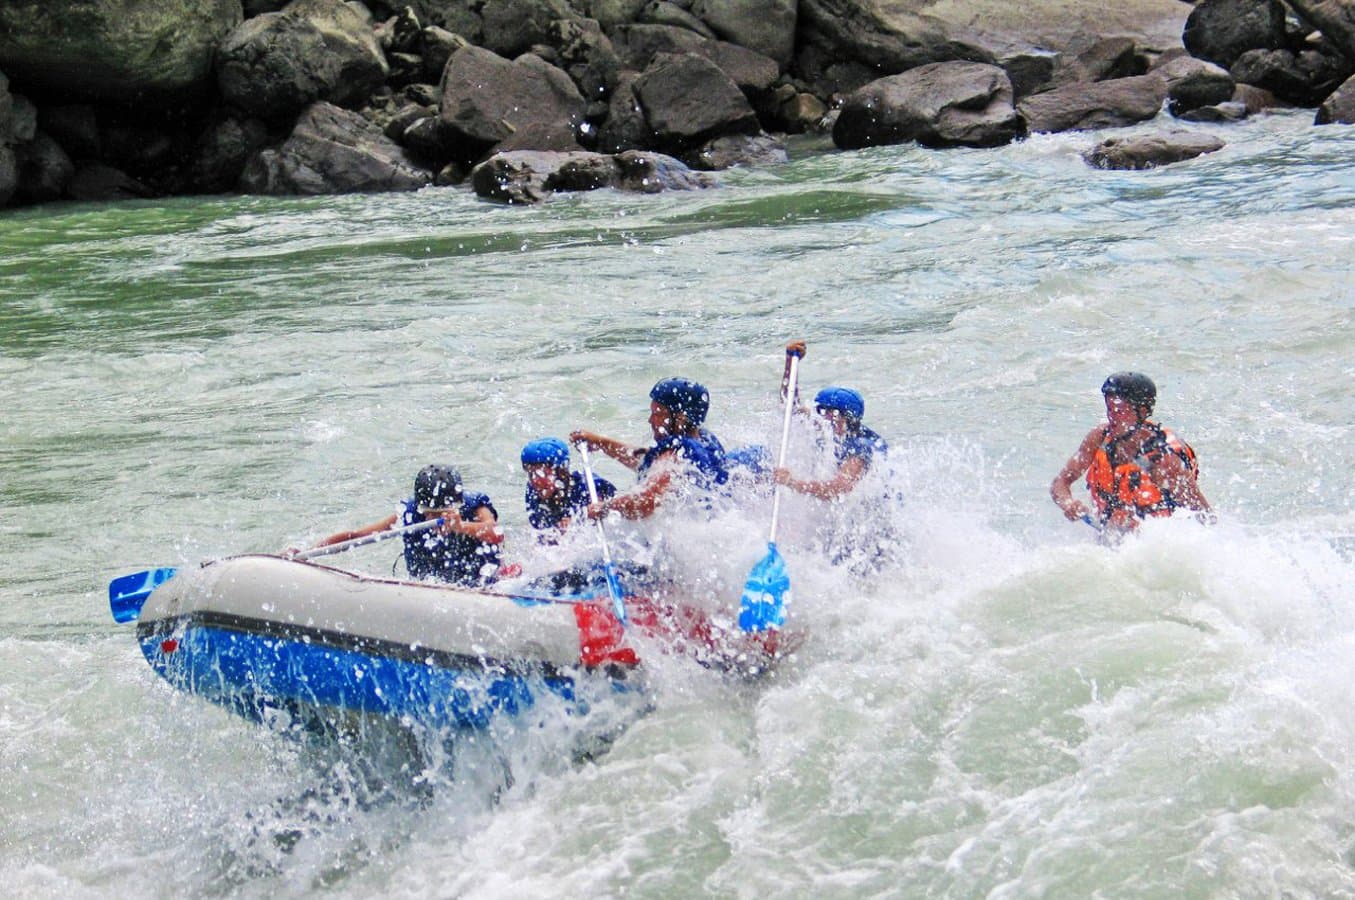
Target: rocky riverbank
[(113, 99)]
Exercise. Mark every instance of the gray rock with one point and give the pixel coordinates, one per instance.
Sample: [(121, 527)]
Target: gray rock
[(1222, 30), (1335, 19), (887, 36), (737, 150), (625, 127), (1030, 71), (98, 183), (766, 26), (1301, 80), (120, 50), (1228, 111), (1339, 108), (1104, 104), (486, 98), (637, 45), (45, 170), (610, 13), (674, 16), (275, 64), (1102, 60), (333, 151), (532, 176), (511, 27), (1150, 151), (221, 151), (587, 55), (9, 174), (687, 100), (1193, 83), (937, 105), (438, 46)]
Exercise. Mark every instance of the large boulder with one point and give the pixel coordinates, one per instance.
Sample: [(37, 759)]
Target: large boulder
[(486, 98), (1151, 150), (532, 176), (687, 99), (120, 50), (333, 151), (1334, 18), (511, 27), (937, 105), (637, 45), (45, 170), (276, 64), (1222, 30), (1060, 26), (767, 26), (1193, 83), (1303, 79), (885, 35), (1104, 104), (1339, 108)]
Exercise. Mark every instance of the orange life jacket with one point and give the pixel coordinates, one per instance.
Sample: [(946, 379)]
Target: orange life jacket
[(1125, 493)]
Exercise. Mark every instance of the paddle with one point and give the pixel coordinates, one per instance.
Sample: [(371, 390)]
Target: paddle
[(763, 604), (128, 593), (613, 583)]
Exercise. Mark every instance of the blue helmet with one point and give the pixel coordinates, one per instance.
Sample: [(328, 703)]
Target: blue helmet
[(550, 451), (681, 395), (844, 400)]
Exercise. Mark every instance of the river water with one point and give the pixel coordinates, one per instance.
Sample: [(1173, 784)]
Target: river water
[(1006, 709)]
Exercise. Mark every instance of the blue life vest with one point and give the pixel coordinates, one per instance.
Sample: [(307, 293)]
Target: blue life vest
[(704, 452), (457, 558), (864, 443), (567, 504)]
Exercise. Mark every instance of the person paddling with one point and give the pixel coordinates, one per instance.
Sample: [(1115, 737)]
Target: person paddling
[(855, 446), (1135, 468), (683, 450), (463, 550), (555, 495)]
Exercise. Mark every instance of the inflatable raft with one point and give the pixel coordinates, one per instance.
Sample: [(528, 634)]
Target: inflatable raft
[(263, 634)]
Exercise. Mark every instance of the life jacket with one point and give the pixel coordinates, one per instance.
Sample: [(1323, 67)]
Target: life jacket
[(704, 452), (545, 513), (458, 558), (863, 443), (1125, 493)]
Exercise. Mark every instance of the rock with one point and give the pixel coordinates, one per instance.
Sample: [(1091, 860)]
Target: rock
[(45, 170), (401, 33), (587, 55), (9, 174), (1058, 26), (625, 127), (120, 50), (1228, 111), (1104, 104), (1335, 19), (511, 27), (802, 112), (1286, 75), (1339, 108), (75, 127), (1150, 151), (98, 183), (18, 119), (937, 105), (275, 64), (886, 36), (531, 176), (486, 98), (766, 26), (1257, 100), (737, 150), (333, 151), (637, 45), (673, 16), (610, 13), (1193, 83), (687, 99), (1102, 60), (1030, 71), (221, 151), (1222, 30), (438, 46)]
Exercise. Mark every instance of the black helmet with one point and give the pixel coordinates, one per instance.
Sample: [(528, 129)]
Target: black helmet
[(1136, 388), (437, 487)]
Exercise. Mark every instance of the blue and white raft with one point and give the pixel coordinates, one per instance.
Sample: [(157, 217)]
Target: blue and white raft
[(262, 635)]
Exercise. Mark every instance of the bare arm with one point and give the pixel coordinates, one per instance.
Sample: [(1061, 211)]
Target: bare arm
[(1180, 480), (628, 455), (483, 527), (1061, 487), (841, 484), (644, 500)]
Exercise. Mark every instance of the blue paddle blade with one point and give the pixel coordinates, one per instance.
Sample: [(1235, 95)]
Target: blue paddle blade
[(614, 587), (763, 605), (128, 593)]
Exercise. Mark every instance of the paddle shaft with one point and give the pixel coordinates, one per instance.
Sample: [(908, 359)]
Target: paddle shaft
[(368, 539), (617, 605), (785, 439)]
